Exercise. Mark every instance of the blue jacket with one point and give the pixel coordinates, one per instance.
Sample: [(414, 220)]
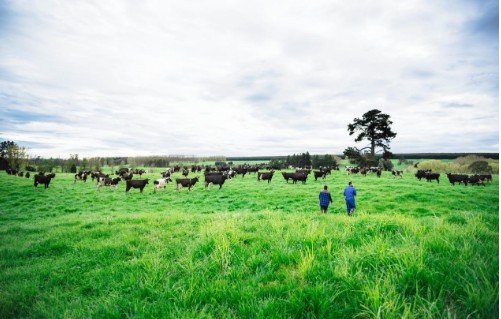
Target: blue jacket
[(350, 193), (324, 198)]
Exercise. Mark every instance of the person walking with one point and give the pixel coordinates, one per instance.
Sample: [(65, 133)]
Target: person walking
[(324, 199), (349, 195)]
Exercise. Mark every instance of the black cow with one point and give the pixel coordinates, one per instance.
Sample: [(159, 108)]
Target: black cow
[(186, 182), (265, 176), (43, 179), (137, 183), (216, 179), (299, 177), (352, 170), (127, 177), (486, 177), (241, 171), (185, 172), (431, 176), (476, 180), (287, 176), (456, 178), (421, 173), (27, 174), (320, 174)]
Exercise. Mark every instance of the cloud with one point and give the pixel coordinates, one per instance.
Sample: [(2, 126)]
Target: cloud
[(259, 78)]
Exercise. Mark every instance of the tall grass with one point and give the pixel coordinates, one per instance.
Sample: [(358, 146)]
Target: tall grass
[(250, 250)]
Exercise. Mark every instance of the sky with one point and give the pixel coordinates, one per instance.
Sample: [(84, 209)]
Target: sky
[(246, 78)]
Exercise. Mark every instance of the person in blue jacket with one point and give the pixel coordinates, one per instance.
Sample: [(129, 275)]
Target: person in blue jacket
[(324, 199), (349, 195)]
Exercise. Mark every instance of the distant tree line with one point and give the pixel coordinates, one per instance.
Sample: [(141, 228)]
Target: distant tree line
[(305, 160)]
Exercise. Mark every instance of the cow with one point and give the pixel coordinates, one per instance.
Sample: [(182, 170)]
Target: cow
[(299, 177), (97, 175), (242, 171), (320, 174), (486, 177), (185, 172), (186, 182), (455, 178), (82, 176), (397, 173), (27, 174), (166, 173), (265, 176), (303, 171), (127, 177), (161, 182), (421, 173), (139, 172), (43, 179), (252, 169), (137, 183), (216, 179), (352, 170), (122, 171), (287, 176), (431, 176), (106, 181), (475, 180)]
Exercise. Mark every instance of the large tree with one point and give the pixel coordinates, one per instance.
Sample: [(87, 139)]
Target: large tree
[(374, 126)]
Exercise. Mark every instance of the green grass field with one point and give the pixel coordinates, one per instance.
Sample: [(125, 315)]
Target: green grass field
[(250, 250)]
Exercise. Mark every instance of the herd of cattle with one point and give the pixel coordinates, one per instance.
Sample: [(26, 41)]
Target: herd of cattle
[(218, 175)]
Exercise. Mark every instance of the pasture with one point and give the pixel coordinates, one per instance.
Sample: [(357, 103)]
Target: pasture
[(413, 249)]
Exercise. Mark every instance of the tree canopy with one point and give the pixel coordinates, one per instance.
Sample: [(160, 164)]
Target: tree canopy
[(375, 127)]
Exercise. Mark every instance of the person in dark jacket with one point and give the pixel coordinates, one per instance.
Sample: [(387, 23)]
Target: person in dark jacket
[(324, 199), (349, 195)]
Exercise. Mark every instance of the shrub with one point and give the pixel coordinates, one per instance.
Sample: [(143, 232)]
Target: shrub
[(480, 167)]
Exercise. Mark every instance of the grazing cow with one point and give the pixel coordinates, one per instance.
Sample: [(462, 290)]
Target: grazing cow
[(216, 179), (82, 176), (486, 177), (185, 172), (299, 177), (431, 176), (186, 182), (162, 182), (139, 172), (241, 171), (397, 173), (266, 176), (421, 173), (127, 177), (287, 176), (106, 181), (320, 174), (352, 170), (476, 180), (27, 174), (138, 183), (166, 173), (43, 179), (455, 178), (252, 169), (122, 171)]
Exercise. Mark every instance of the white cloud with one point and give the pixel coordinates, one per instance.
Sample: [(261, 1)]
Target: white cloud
[(257, 78)]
